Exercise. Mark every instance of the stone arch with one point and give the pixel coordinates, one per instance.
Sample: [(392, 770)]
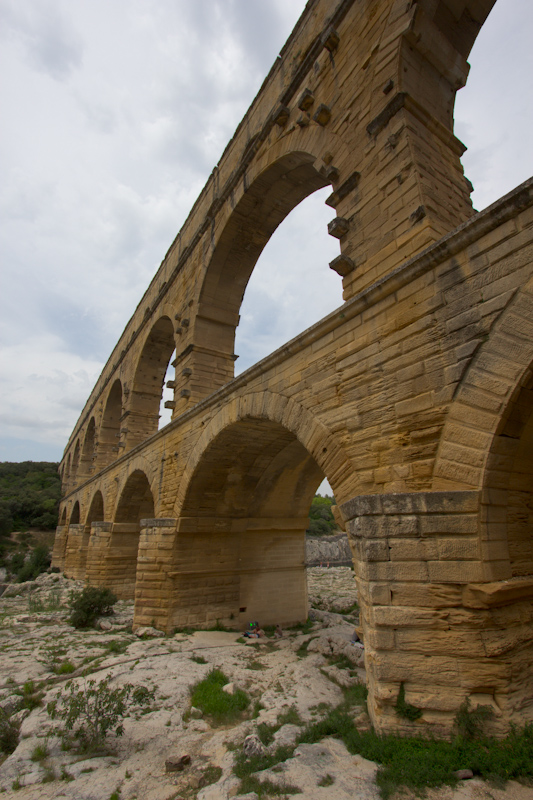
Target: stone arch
[(88, 450), (142, 416), (75, 514), (63, 520), (136, 500), (484, 399), (487, 444), (310, 432), (109, 435), (96, 509), (66, 476), (243, 514), (119, 546), (267, 200), (75, 461)]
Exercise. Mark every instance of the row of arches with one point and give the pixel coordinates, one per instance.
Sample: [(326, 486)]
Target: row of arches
[(129, 415)]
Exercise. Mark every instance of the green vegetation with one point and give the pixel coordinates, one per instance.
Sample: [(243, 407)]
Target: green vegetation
[(414, 762), (90, 603), (220, 706), (406, 710), (9, 734), (321, 520), (29, 495), (420, 763), (88, 713)]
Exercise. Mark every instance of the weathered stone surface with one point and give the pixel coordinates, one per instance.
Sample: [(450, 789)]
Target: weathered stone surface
[(414, 398)]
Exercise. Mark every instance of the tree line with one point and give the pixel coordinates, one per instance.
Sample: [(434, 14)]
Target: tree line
[(29, 495)]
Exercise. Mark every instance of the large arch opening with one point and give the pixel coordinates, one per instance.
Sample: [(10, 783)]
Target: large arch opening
[(136, 503), (291, 286), (147, 390), (508, 544), (240, 550), (75, 461), (109, 437), (87, 452), (210, 358)]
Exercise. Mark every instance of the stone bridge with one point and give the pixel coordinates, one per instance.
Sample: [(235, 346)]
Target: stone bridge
[(414, 398)]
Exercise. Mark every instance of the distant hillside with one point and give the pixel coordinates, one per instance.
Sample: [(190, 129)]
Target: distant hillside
[(29, 495)]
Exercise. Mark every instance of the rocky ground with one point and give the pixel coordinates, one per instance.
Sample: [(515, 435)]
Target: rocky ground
[(290, 681)]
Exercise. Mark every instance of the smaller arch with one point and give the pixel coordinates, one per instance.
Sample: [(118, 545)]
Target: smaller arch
[(63, 518), (96, 509), (109, 435), (88, 450), (75, 461), (75, 514), (147, 389), (121, 548), (66, 478), (136, 500)]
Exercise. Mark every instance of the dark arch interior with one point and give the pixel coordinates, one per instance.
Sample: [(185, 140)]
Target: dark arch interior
[(87, 453), (511, 468), (108, 440), (254, 467), (241, 552), (75, 516), (136, 501), (96, 510)]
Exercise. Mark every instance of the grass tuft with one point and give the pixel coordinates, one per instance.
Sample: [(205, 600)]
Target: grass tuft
[(221, 707)]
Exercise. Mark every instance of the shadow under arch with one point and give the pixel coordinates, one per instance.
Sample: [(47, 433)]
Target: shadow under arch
[(88, 450), (74, 518), (142, 414), (266, 202), (115, 549), (240, 549), (109, 434)]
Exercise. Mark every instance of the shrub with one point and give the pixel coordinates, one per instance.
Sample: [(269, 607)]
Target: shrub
[(89, 604), (469, 722), (9, 734), (88, 713), (38, 562)]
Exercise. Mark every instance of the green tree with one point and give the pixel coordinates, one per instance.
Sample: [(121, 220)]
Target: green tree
[(321, 520), (29, 495)]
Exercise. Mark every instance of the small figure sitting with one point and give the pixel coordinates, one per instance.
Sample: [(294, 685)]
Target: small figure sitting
[(253, 631), (278, 633)]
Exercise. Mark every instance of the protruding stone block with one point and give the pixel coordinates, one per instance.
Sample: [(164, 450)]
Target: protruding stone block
[(322, 115), (331, 40), (281, 116), (338, 227), (306, 100), (342, 265)]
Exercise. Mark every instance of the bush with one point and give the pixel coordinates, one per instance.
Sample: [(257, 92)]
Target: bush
[(9, 734), (90, 712), (38, 563), (89, 604)]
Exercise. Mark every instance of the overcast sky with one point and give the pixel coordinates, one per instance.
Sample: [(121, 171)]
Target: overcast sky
[(114, 113)]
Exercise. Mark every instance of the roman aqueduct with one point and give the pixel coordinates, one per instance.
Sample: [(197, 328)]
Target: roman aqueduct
[(414, 398)]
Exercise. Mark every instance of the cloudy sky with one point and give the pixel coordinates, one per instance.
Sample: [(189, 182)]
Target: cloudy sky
[(114, 113)]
